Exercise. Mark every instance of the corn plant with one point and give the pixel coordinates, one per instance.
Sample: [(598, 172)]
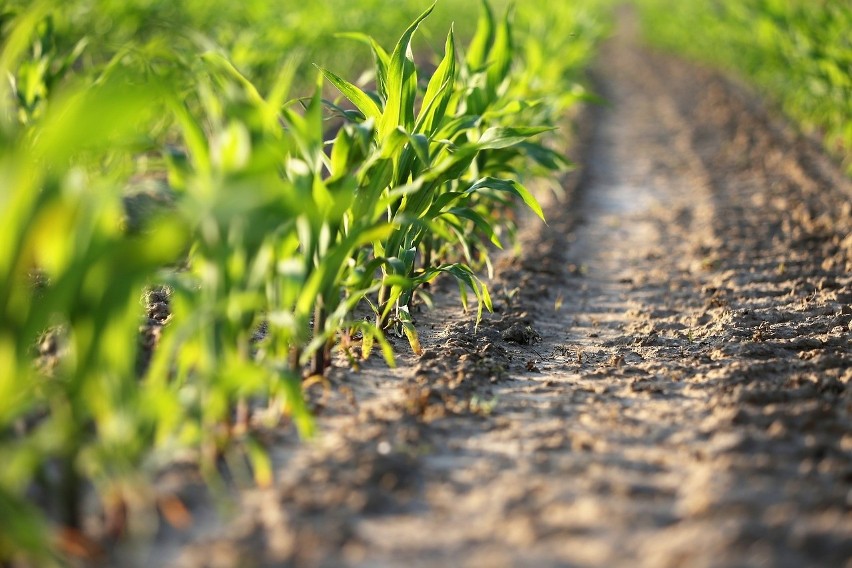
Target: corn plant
[(241, 215), (82, 418), (430, 174)]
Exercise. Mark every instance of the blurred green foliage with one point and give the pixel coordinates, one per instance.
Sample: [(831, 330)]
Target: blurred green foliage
[(285, 211), (255, 35), (799, 52)]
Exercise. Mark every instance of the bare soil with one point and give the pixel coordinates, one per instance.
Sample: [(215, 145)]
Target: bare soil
[(665, 381)]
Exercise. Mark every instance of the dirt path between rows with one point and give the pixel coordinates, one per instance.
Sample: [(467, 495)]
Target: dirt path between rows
[(666, 381)]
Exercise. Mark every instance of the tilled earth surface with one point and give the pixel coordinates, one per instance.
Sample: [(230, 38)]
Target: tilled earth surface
[(665, 382)]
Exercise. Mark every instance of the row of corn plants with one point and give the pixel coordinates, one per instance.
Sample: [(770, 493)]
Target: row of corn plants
[(798, 52), (252, 34), (285, 217)]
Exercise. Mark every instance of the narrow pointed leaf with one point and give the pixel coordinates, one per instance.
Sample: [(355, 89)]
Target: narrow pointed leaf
[(500, 56), (380, 57), (482, 39), (356, 96), (410, 331), (512, 187), (480, 223), (440, 89), (400, 80), (420, 144), (503, 137)]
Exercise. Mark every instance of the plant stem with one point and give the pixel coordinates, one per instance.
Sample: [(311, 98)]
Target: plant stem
[(380, 320), (241, 418), (295, 355), (318, 358)]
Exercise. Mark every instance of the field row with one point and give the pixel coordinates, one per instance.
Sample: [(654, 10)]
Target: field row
[(139, 158)]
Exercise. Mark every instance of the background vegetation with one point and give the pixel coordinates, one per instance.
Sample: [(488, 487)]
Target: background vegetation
[(798, 52)]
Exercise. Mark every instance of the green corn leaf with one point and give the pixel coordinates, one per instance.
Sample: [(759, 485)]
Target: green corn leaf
[(440, 90), (512, 187), (480, 223), (500, 56), (261, 465), (380, 58), (393, 142), (396, 194), (313, 137), (69, 60), (452, 162), (397, 266), (280, 90), (326, 276), (441, 203), (408, 257), (502, 136), (409, 330), (529, 199), (420, 144), (486, 299), (370, 335), (367, 339), (401, 83), (306, 130), (452, 128), (483, 300), (294, 403), (467, 281), (407, 219), (362, 276), (24, 528), (460, 237), (356, 96), (396, 291), (358, 143), (387, 350), (391, 199), (426, 120), (545, 157), (97, 119), (373, 178), (194, 137), (480, 45), (324, 200), (340, 152), (350, 115), (18, 41), (510, 108), (438, 228), (221, 66)]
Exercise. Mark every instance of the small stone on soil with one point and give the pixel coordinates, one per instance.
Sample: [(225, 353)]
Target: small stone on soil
[(519, 333)]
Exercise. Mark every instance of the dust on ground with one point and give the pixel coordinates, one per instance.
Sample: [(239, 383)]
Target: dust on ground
[(665, 380)]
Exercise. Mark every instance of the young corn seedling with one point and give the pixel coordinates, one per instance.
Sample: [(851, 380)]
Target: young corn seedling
[(243, 217), (329, 234), (423, 175), (82, 421)]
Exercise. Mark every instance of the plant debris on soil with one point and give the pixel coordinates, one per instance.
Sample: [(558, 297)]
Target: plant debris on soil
[(667, 384)]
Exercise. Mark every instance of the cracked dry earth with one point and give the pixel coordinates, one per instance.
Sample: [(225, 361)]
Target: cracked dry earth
[(665, 382)]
